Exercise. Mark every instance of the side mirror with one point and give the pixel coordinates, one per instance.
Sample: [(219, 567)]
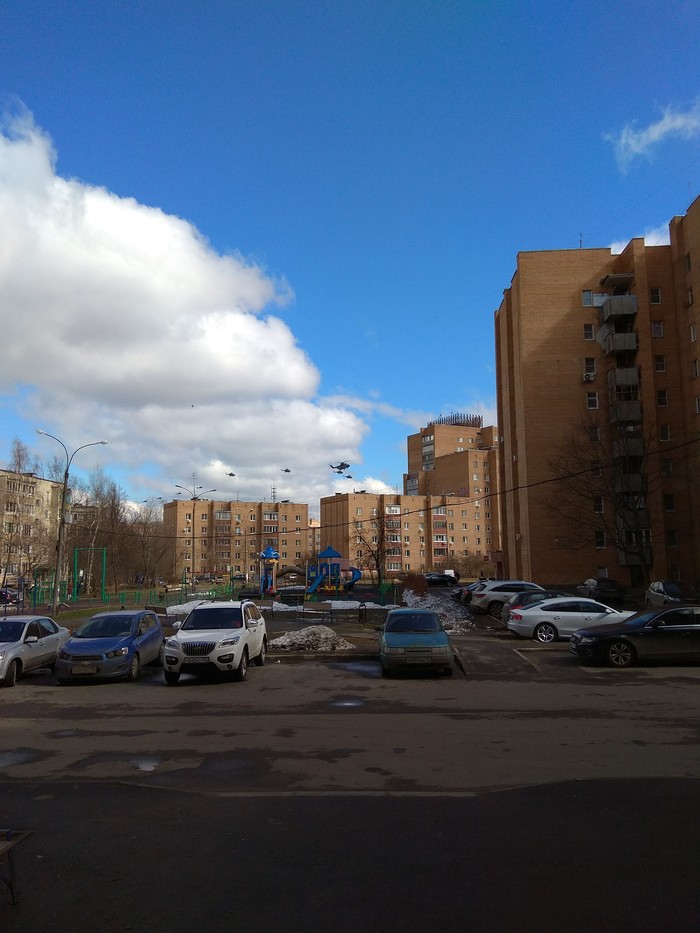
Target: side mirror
[(31, 640), (176, 625)]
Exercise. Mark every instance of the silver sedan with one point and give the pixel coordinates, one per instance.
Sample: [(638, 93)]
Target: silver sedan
[(28, 642), (560, 618)]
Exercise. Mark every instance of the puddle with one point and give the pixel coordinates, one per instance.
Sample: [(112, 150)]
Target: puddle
[(363, 668), (348, 702), (145, 764), (19, 756)]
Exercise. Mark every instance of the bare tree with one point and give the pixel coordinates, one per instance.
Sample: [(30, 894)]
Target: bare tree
[(373, 546), (602, 490)]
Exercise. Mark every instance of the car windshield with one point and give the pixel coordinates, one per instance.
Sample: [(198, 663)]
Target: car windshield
[(681, 590), (11, 630), (105, 627), (220, 617), (413, 622)]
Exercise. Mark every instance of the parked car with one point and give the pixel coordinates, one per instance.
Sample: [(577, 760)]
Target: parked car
[(668, 633), (111, 645), (603, 588), (217, 637), (440, 579), (491, 595), (8, 595), (414, 638), (26, 643), (551, 619), (528, 598), (665, 592), (464, 592)]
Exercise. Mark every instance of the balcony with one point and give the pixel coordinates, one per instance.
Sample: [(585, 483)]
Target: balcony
[(625, 411), (623, 376), (628, 482), (628, 447), (617, 306)]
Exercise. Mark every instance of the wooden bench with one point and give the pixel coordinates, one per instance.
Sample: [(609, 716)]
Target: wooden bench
[(8, 840)]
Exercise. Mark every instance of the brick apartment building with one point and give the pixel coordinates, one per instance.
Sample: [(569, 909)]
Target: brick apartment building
[(227, 537), (30, 512), (598, 380)]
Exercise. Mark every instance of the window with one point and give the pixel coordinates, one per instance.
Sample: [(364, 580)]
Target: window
[(588, 332), (596, 468), (587, 298), (657, 328), (697, 404), (598, 504), (662, 398), (660, 363), (591, 400), (655, 296), (672, 538), (687, 262), (589, 365), (594, 433), (690, 295), (695, 369), (664, 432), (666, 467), (669, 502), (600, 539), (693, 333)]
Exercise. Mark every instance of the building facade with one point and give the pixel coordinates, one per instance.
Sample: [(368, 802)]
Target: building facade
[(406, 533), (598, 380), (30, 512), (227, 537)]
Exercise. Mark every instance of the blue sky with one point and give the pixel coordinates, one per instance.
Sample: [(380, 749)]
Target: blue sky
[(246, 236)]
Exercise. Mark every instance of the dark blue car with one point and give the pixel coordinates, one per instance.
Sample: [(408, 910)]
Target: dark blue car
[(111, 645), (414, 638)]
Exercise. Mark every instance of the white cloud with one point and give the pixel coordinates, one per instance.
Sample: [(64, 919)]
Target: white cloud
[(655, 236), (121, 322), (632, 142)]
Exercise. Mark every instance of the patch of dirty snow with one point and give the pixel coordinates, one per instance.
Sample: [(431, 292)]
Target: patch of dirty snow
[(312, 638), (450, 614)]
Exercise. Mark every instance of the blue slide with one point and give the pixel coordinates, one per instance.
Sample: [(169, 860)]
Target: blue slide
[(323, 573), (356, 575)]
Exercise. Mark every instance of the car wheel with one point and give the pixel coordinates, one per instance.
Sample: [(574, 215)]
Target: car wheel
[(133, 671), (495, 609), (385, 671), (12, 674), (62, 682), (241, 671), (545, 633), (448, 671), (260, 658), (172, 678), (619, 654)]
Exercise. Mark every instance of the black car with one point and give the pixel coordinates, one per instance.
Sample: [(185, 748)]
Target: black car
[(604, 589), (672, 633), (440, 579)]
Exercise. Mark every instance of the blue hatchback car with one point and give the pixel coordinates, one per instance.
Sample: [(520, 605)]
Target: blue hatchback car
[(414, 639), (111, 645)]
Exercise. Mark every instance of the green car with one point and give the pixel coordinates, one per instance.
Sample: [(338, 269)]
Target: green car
[(414, 639)]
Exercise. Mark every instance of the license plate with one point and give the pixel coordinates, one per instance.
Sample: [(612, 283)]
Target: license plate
[(196, 660), (84, 669), (417, 660)]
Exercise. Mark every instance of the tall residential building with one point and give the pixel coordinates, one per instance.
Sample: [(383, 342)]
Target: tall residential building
[(598, 376), (413, 533), (30, 512), (227, 537), (457, 456)]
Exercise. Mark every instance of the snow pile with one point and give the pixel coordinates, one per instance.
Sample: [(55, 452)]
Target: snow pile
[(312, 638), (450, 613)]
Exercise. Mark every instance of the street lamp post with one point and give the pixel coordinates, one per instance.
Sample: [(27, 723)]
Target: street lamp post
[(62, 517), (195, 496)]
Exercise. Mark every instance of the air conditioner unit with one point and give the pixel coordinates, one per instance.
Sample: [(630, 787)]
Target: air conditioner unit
[(588, 377)]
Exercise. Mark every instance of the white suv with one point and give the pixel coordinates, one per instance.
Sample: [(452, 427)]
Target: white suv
[(223, 636), (491, 595)]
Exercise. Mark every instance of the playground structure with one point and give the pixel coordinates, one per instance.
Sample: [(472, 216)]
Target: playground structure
[(331, 574)]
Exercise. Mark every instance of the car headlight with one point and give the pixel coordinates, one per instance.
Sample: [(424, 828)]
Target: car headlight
[(2, 655), (63, 654), (442, 649), (117, 653), (586, 640), (172, 643), (233, 640), (395, 650)]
